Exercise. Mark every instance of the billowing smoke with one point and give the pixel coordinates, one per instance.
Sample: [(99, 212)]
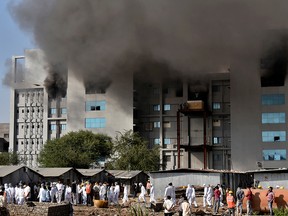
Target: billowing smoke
[(94, 37), (56, 81)]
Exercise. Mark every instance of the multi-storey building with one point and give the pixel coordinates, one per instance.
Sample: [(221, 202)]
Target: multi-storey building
[(4, 137), (225, 121), (36, 117)]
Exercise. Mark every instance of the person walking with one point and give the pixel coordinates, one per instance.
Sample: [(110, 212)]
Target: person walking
[(170, 191), (270, 198), (189, 194), (239, 204), (249, 200), (152, 194), (230, 203), (89, 193), (168, 206), (42, 194), (185, 206), (205, 190), (142, 193), (217, 194), (116, 193), (210, 194), (53, 192), (125, 194)]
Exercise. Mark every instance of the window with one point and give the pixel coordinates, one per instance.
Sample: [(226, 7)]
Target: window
[(167, 141), (274, 154), (273, 118), (52, 111), (216, 122), (167, 124), (273, 99), (167, 107), (156, 107), (63, 126), (156, 124), (216, 88), (63, 110), (216, 105), (217, 140), (156, 141), (95, 105), (95, 122), (166, 158), (273, 136), (53, 127), (148, 126)]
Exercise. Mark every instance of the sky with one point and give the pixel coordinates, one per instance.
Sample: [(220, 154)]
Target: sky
[(13, 42)]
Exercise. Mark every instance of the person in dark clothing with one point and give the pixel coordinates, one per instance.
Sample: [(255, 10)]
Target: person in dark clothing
[(74, 192)]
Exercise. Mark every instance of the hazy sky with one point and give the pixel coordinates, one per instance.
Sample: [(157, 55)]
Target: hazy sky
[(13, 41)]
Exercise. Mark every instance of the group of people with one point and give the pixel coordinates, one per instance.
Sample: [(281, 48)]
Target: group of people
[(84, 192), (214, 198)]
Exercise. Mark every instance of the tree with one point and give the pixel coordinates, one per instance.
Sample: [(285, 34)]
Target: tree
[(131, 152), (75, 149), (9, 158)]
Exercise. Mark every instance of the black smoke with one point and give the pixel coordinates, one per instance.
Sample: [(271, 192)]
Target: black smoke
[(56, 82), (192, 37)]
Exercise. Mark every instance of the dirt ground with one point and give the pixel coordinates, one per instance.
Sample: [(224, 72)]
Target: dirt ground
[(81, 210)]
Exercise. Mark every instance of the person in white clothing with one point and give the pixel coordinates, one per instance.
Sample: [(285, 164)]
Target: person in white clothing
[(102, 191), (8, 193), (68, 194), (205, 195), (60, 188), (111, 194), (84, 195), (152, 194), (12, 194), (116, 193), (125, 194), (142, 193), (189, 194), (20, 195), (210, 194), (53, 192), (193, 197), (170, 191), (168, 206), (42, 194), (27, 192)]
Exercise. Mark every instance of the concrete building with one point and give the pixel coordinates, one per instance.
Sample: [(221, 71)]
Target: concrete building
[(4, 137), (221, 121), (36, 117)]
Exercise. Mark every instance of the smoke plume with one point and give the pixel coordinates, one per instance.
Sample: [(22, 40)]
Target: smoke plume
[(191, 37)]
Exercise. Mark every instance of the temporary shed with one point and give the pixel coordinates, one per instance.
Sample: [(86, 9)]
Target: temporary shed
[(129, 177), (94, 175), (197, 177), (64, 174), (270, 177), (15, 174)]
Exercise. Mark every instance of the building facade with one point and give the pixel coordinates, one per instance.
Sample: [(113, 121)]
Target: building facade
[(35, 117), (222, 121)]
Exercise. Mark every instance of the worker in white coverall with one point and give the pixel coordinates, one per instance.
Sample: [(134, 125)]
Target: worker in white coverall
[(116, 193), (125, 194), (205, 195), (152, 193), (209, 195), (142, 193), (170, 191)]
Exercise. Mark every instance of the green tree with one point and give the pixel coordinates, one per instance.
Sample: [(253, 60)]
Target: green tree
[(75, 149), (9, 158), (131, 152)]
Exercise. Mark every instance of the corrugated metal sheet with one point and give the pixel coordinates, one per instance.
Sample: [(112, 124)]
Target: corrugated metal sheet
[(123, 174), (53, 172), (6, 170), (178, 179), (89, 172)]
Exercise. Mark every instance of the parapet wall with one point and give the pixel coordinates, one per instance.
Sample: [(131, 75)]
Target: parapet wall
[(36, 209)]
